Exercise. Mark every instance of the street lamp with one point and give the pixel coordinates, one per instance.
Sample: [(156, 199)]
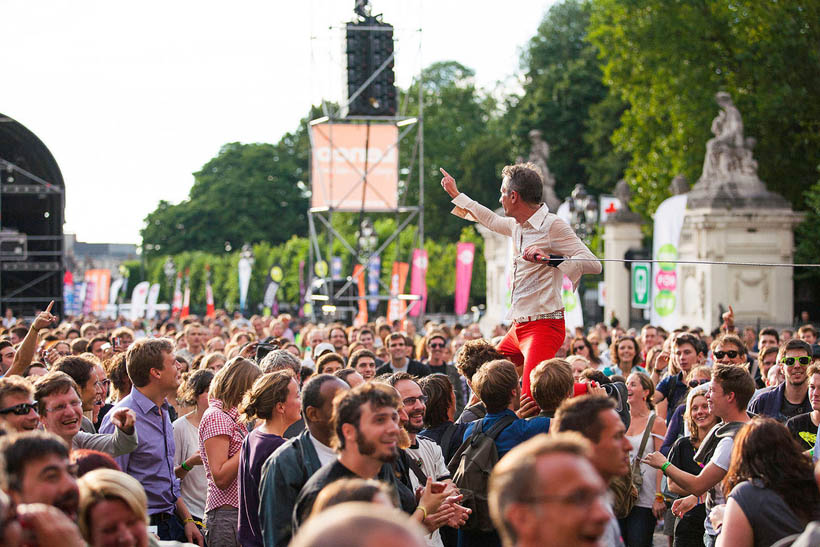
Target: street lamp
[(583, 210), (169, 269), (367, 237)]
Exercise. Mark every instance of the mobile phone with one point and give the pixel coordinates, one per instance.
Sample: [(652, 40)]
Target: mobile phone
[(105, 347)]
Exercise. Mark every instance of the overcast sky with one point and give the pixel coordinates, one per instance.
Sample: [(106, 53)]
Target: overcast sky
[(132, 98)]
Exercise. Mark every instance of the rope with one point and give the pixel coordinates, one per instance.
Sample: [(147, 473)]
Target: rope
[(708, 262)]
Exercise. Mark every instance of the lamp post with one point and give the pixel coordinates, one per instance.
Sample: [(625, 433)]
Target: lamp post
[(367, 237), (169, 269), (583, 210)]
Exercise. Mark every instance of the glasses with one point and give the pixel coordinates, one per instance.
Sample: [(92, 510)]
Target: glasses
[(696, 383), (436, 346), (579, 498), (60, 408), (20, 410), (410, 401), (731, 354), (803, 360), (579, 348)]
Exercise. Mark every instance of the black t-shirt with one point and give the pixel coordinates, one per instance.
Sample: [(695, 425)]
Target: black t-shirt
[(803, 430), (682, 456), (789, 410)]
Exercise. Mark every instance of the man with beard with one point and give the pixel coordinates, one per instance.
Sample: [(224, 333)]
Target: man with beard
[(37, 471), (154, 376), (18, 411), (366, 428), (423, 459), (790, 398)]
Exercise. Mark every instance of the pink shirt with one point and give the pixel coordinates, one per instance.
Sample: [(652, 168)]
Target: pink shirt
[(216, 422), (536, 288)]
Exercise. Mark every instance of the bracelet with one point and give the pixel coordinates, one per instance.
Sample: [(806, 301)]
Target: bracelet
[(186, 521), (423, 511), (185, 466), (659, 496), (665, 466)]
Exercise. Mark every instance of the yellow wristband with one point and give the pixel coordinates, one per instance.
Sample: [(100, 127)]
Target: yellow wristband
[(423, 511), (186, 521)]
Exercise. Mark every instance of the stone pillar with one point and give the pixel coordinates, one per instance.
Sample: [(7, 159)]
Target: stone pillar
[(737, 235), (619, 237), (496, 256)]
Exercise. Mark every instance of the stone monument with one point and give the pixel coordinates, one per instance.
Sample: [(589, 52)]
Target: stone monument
[(732, 217), (539, 154), (622, 231)]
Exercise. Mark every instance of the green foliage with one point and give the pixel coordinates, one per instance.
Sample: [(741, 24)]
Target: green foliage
[(808, 244), (666, 60)]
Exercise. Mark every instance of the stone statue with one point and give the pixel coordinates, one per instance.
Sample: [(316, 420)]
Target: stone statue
[(679, 185), (539, 154), (624, 194), (729, 177)]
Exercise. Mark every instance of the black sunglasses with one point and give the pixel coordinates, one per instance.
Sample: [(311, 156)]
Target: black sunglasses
[(436, 346), (696, 383), (20, 410), (731, 353)]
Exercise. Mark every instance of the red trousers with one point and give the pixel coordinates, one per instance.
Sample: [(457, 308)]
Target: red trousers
[(528, 344)]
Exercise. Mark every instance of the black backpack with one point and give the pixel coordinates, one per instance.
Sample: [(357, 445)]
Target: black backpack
[(470, 469)]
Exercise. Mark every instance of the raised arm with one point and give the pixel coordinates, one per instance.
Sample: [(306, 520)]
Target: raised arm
[(24, 355), (485, 216)]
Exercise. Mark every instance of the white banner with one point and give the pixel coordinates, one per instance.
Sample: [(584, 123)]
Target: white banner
[(665, 309), (573, 311), (245, 267), (114, 291), (153, 296), (138, 297)]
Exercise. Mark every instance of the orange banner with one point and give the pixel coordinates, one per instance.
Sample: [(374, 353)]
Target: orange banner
[(339, 151), (358, 275), (102, 282), (396, 308)]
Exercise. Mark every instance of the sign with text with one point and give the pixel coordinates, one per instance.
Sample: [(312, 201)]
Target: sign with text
[(640, 285), (349, 160)]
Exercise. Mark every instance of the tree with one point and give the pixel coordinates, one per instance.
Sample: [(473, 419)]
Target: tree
[(666, 60)]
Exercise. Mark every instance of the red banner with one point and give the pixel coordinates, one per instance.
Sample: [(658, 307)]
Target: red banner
[(465, 252), (418, 281), (396, 307), (210, 310), (177, 303), (358, 276), (186, 297)]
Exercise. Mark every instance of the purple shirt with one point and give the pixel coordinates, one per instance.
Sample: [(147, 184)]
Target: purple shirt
[(152, 463), (256, 448)]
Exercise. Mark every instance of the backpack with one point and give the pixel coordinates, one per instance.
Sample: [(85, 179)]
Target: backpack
[(471, 467), (626, 487)]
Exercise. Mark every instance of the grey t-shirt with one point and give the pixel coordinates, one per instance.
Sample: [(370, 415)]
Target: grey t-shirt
[(771, 519)]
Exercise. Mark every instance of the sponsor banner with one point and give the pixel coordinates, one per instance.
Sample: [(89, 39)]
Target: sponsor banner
[(244, 268), (344, 155), (573, 311), (396, 307), (374, 270), (177, 306), (358, 276), (418, 281), (664, 306), (138, 297), (68, 293), (186, 296), (465, 253), (101, 281), (151, 301), (336, 268)]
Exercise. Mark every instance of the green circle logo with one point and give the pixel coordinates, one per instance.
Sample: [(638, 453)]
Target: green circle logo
[(665, 302), (568, 297), (321, 268), (667, 252), (276, 274), (308, 308)]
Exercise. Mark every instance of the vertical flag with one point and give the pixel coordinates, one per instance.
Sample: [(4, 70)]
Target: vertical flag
[(245, 266), (269, 299), (358, 276), (336, 267), (138, 296), (151, 302), (210, 311), (88, 297), (100, 279), (573, 311), (665, 309), (395, 308), (301, 288), (374, 267), (177, 305), (186, 296), (465, 252), (68, 293), (418, 281)]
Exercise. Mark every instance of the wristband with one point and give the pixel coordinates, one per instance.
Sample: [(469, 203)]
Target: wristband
[(186, 467), (423, 511), (659, 496), (186, 521), (665, 466)]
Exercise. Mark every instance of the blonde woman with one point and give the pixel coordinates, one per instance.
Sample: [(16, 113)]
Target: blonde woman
[(113, 509), (220, 439)]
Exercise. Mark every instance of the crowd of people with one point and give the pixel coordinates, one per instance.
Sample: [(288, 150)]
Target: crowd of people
[(231, 431)]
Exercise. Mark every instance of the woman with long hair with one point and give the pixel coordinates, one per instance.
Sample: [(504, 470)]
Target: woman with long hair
[(274, 399), (192, 392), (688, 529), (582, 346), (220, 439), (639, 525), (770, 487), (625, 353)]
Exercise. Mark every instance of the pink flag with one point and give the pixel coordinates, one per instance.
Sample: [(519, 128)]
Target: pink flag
[(177, 305), (418, 281), (464, 275)]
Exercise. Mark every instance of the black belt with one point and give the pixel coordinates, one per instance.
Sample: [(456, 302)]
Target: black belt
[(156, 518)]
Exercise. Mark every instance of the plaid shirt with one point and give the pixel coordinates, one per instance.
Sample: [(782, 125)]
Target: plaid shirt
[(215, 422)]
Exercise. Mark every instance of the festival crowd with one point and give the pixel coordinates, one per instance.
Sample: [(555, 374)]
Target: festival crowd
[(226, 431)]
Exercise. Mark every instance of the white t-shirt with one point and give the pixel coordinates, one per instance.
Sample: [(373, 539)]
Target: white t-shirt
[(325, 453), (721, 458), (194, 486), (428, 454)]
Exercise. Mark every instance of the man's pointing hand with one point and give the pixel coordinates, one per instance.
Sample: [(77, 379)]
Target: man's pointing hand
[(449, 183)]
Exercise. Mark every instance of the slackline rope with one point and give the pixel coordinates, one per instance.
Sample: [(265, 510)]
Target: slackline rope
[(710, 262)]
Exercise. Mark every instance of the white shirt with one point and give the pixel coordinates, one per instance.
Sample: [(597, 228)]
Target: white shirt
[(721, 458), (325, 453), (194, 486), (428, 453), (536, 287)]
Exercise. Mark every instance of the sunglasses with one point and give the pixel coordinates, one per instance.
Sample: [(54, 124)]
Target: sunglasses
[(696, 383), (804, 360), (579, 348), (20, 410), (731, 354), (436, 346)]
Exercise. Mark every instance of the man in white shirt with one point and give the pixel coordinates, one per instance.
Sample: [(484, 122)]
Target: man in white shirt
[(542, 242)]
